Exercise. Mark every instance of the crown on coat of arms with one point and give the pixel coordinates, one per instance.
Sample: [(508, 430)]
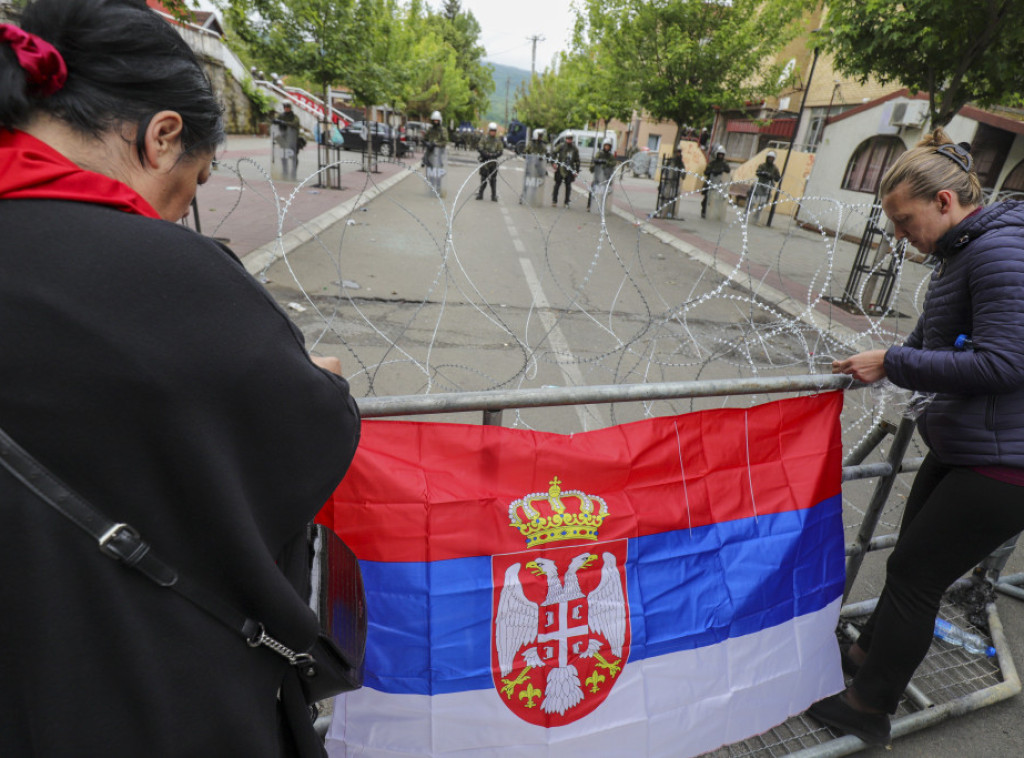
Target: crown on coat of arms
[(555, 516)]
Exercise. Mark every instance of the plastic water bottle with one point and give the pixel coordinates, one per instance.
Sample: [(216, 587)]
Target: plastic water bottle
[(954, 635)]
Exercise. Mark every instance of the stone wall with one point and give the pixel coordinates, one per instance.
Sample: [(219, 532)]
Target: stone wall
[(240, 117)]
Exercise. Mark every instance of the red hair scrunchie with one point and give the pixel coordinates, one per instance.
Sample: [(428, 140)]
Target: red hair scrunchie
[(43, 65)]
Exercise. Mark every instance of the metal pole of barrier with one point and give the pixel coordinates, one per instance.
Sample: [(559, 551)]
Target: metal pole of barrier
[(1009, 687), (458, 402), (881, 494), (871, 440)]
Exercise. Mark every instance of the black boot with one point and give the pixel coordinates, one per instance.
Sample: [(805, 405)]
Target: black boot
[(872, 728)]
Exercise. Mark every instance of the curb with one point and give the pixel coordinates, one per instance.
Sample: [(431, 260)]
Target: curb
[(768, 294), (266, 255)]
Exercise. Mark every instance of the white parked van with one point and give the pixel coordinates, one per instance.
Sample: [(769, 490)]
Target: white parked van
[(587, 142)]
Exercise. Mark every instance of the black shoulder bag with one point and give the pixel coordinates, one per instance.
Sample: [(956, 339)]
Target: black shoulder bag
[(334, 582)]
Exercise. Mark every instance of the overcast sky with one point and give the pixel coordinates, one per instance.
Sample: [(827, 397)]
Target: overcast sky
[(506, 26)]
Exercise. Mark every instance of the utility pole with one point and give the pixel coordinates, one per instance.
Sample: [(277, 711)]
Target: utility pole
[(506, 99), (533, 61)]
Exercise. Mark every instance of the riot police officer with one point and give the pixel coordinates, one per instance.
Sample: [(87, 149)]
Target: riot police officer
[(435, 136), (602, 165), (490, 150), (567, 166), (716, 169)]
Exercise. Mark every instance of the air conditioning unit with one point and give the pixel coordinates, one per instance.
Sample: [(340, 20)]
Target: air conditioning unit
[(912, 114)]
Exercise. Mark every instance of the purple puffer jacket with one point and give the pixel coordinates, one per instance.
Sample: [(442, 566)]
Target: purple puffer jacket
[(977, 417)]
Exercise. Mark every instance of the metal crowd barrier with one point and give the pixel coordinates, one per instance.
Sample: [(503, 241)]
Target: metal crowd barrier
[(950, 682)]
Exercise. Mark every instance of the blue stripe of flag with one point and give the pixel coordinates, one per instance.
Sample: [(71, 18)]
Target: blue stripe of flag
[(686, 589)]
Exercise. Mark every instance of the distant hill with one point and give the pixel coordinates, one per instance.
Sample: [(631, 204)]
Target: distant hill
[(502, 75)]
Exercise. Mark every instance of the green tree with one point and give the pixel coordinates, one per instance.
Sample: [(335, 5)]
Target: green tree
[(436, 83), (313, 39), (578, 91), (681, 58), (331, 42), (461, 32), (958, 52), (597, 90), (546, 101)]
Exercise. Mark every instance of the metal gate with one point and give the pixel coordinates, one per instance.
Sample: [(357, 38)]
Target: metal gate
[(950, 682)]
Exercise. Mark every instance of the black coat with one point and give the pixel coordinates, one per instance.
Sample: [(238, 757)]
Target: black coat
[(145, 367)]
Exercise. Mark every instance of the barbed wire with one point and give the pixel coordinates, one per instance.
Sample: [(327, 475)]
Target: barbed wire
[(630, 295)]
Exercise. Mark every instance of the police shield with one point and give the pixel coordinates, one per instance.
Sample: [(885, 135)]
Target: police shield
[(435, 164), (284, 151), (534, 174), (718, 196), (601, 186), (758, 201)]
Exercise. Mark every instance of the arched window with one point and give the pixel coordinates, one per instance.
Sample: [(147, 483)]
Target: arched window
[(869, 162), (1013, 185)]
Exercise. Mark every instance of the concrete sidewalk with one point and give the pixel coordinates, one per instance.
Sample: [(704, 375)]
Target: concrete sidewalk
[(785, 265), (260, 218)]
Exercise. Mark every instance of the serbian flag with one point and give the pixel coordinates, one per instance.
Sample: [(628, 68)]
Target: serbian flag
[(658, 588)]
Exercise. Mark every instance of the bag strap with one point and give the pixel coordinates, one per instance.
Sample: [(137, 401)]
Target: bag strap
[(123, 543)]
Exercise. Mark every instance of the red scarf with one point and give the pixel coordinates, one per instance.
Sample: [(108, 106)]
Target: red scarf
[(32, 169)]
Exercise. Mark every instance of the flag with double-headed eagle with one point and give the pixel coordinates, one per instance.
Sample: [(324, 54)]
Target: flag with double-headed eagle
[(659, 588)]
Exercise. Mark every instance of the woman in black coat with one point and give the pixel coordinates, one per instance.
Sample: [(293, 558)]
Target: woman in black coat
[(142, 365), (968, 349)]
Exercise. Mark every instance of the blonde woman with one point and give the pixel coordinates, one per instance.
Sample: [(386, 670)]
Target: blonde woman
[(968, 349)]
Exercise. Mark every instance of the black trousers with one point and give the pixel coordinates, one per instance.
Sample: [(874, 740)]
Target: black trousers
[(568, 187), (954, 519), (488, 173)]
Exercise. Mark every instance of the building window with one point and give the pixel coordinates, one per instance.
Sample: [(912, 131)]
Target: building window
[(990, 147), (870, 161), (653, 142), (815, 130), (740, 144), (1013, 185)]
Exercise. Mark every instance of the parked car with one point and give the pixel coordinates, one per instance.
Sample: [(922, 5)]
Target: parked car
[(384, 139)]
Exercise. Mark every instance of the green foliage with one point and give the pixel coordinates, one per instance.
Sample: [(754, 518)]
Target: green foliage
[(180, 9), (436, 83), (461, 32), (387, 52), (546, 102), (678, 59), (958, 52), (316, 38), (579, 91), (261, 101)]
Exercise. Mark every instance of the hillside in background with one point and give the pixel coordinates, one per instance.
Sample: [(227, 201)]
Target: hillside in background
[(504, 77)]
